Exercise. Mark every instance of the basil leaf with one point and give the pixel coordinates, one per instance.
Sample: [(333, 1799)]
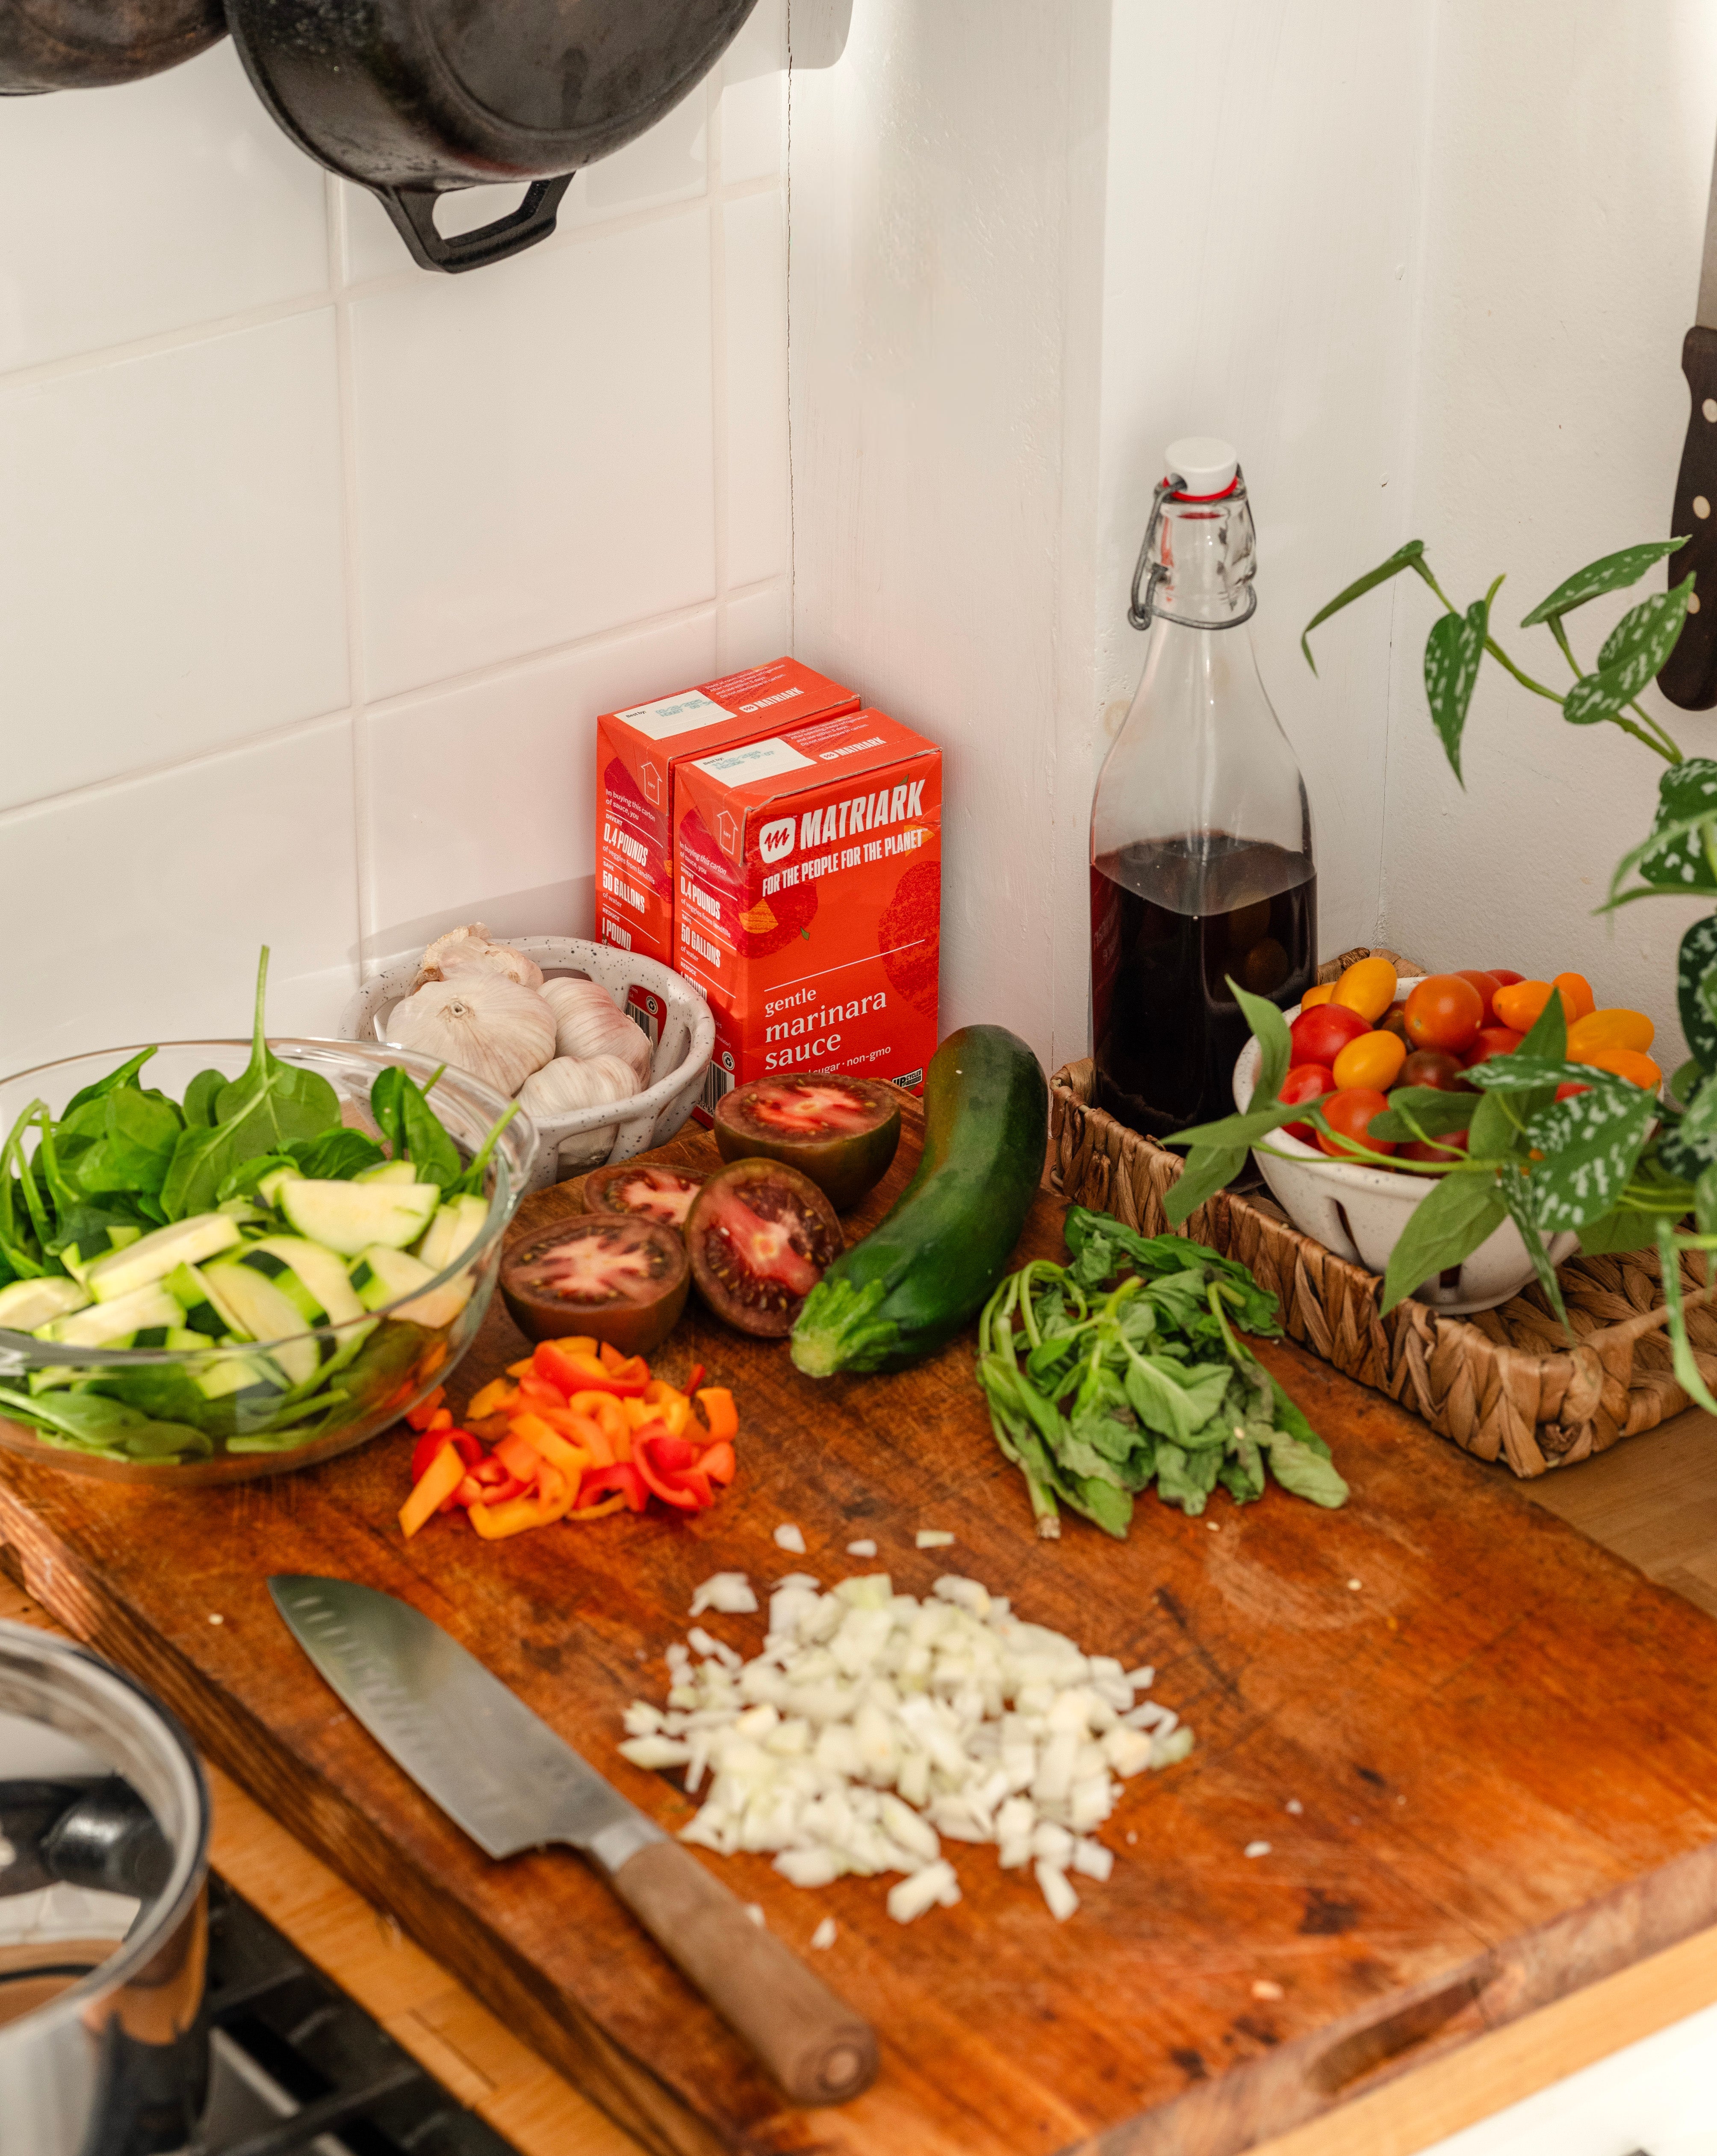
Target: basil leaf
[(1308, 1473), (1444, 1228), (1423, 1111), (1275, 1043), (1209, 1169)]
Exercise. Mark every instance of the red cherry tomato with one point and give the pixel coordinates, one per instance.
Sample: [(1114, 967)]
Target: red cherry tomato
[(1349, 1114), (1306, 1082), (1486, 985), (1492, 1040), (1444, 1011), (1566, 1091), (1430, 1066), (1318, 1035), (1437, 1150), (1503, 976)]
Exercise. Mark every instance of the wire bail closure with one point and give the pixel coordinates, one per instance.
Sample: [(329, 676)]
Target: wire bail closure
[(1142, 612)]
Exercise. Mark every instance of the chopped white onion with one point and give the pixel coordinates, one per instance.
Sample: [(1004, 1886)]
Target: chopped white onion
[(873, 1727), (729, 1592), (824, 1935), (789, 1538), (933, 1537), (864, 1549)]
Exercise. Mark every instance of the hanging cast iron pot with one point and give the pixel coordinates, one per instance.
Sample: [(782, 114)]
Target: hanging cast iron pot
[(86, 44), (416, 98)]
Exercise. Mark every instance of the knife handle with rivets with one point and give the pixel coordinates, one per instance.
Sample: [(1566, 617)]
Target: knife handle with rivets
[(814, 2045), (1688, 677)]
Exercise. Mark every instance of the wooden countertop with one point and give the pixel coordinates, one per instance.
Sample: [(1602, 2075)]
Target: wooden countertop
[(455, 2038)]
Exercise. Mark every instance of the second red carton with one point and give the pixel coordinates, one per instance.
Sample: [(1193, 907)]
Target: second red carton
[(808, 900)]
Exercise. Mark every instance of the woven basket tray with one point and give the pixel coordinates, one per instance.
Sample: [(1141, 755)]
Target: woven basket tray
[(1502, 1383)]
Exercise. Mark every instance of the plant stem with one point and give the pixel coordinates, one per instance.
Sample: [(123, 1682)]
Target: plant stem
[(1660, 738)]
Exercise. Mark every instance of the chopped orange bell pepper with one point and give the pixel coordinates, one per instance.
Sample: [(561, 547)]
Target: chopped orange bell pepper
[(517, 1454), (578, 1343), (533, 1433), (719, 1412), (521, 1369), (494, 1398), (439, 1479), (418, 1417), (552, 1501), (598, 1511), (610, 1415), (717, 1462)]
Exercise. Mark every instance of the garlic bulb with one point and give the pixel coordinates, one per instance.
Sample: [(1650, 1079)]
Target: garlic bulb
[(479, 1021), (586, 1023), (463, 948), (567, 1084)]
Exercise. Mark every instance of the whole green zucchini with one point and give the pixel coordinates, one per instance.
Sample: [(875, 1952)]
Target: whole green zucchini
[(929, 1266)]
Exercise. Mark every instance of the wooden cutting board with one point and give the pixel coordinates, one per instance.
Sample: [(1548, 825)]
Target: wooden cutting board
[(1498, 1742)]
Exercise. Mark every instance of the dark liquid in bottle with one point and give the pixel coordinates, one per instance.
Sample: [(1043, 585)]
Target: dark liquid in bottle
[(1170, 921)]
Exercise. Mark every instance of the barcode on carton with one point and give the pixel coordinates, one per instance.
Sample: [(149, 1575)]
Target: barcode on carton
[(647, 1023), (715, 1086)]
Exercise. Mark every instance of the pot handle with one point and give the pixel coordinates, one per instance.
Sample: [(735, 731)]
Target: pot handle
[(412, 210)]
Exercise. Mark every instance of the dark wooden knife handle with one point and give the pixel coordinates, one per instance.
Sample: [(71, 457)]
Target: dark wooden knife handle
[(813, 2043), (1688, 677)]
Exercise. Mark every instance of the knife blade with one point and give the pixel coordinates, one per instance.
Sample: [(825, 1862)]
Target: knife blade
[(1688, 677), (501, 1773)]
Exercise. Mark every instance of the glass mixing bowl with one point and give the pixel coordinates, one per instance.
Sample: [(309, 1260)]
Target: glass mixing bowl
[(226, 1414)]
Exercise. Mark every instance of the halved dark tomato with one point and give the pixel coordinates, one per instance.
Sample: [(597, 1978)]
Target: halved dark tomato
[(760, 1236), (614, 1276), (842, 1132), (646, 1188)]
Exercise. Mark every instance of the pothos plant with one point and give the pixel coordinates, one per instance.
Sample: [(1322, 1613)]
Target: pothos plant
[(1625, 1170)]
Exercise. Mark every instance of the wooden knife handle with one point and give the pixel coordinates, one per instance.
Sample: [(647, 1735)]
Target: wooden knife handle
[(1688, 677), (816, 2047)]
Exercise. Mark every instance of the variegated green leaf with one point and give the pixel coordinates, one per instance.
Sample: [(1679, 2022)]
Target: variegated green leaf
[(1519, 1194), (1521, 1073), (1615, 572), (1677, 854), (1452, 652), (1404, 558), (1633, 651), (1694, 965), (1589, 1144)]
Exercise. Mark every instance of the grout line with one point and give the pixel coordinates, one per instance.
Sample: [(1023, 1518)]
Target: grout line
[(350, 575), (496, 670), (406, 279), (719, 475)]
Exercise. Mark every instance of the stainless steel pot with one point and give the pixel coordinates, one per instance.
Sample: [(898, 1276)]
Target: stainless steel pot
[(104, 1850)]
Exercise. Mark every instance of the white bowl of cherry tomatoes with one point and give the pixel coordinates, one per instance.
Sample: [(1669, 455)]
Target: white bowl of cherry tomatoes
[(1357, 1039)]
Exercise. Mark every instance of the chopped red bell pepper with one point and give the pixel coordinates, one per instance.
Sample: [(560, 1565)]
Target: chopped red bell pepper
[(670, 1485), (717, 1462), (692, 1383), (622, 1480), (555, 1365)]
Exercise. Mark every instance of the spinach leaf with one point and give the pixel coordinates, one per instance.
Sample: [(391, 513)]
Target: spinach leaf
[(125, 1075), (1187, 1478), (200, 1098), (337, 1156), (275, 1098), (140, 1133)]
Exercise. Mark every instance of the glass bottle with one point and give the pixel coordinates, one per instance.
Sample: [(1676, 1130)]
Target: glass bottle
[(1202, 865)]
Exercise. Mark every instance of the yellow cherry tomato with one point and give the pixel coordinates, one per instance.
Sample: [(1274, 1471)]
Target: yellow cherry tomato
[(1321, 994), (1372, 1062), (1627, 1063), (1520, 1004), (1578, 1000), (1368, 986), (1609, 1029)]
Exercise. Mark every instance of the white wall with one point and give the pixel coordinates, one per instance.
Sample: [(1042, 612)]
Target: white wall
[(947, 216), (1571, 145), (314, 567), (1265, 164)]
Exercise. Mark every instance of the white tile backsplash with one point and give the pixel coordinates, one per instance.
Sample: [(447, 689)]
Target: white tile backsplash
[(315, 567), (483, 793), (147, 207), (754, 328), (164, 889), (170, 555), (534, 451)]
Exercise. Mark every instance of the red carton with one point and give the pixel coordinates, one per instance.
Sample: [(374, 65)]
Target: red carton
[(637, 752), (808, 906)]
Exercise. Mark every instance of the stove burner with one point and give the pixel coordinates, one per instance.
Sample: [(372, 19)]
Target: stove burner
[(296, 2064)]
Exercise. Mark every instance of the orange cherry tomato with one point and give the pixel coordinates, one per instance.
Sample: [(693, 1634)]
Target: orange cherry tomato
[(1372, 1063), (1348, 1114), (1368, 986), (1626, 1063), (1320, 994), (1492, 1040), (1486, 985), (1446, 1012), (1578, 1000), (1610, 1029), (1306, 1082)]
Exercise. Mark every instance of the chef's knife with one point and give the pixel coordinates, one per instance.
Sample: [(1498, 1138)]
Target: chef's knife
[(1688, 677), (504, 1776)]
